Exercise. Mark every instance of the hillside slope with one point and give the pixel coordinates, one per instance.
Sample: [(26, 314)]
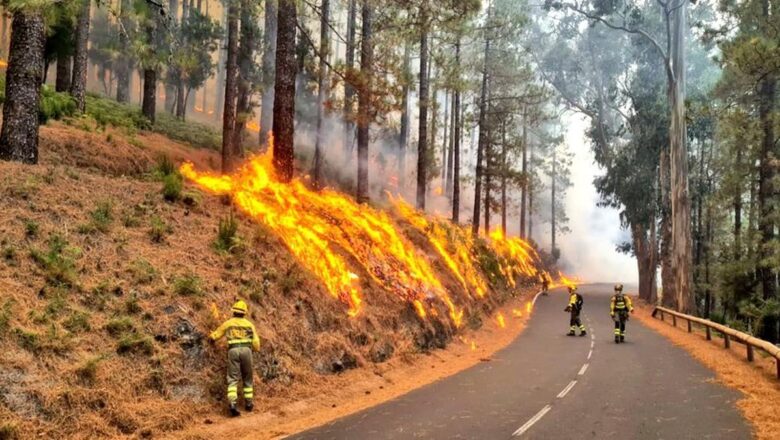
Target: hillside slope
[(107, 290)]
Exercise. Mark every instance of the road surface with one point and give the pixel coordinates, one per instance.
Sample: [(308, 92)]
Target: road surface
[(546, 385)]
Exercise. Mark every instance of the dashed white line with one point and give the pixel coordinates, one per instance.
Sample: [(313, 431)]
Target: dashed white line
[(532, 421), (592, 344), (584, 368), (566, 390), (590, 353)]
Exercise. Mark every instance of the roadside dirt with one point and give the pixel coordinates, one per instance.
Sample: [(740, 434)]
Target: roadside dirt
[(359, 389), (757, 381)]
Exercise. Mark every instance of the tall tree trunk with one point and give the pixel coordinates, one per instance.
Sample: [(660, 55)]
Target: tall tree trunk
[(349, 89), (19, 133), (553, 178), (231, 88), (482, 135), (487, 172), (149, 102), (284, 91), (422, 137), (269, 70), (678, 155), (322, 90), (667, 271), (524, 190), (530, 188), (456, 145), (445, 139), (63, 73), (246, 55), (219, 105), (503, 178), (364, 102), (171, 80), (78, 86), (403, 135), (450, 152)]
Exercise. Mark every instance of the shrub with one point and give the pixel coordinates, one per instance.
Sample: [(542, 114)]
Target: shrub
[(187, 285), (134, 343), (9, 254), (131, 305), (172, 187), (55, 105), (87, 373), (30, 228), (77, 322), (228, 239), (119, 326), (27, 340), (164, 166), (58, 262), (159, 230), (110, 112), (5, 316), (142, 271), (100, 218), (193, 133), (289, 282)]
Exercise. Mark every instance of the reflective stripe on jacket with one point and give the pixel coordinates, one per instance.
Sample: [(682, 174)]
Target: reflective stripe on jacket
[(620, 302), (237, 331)]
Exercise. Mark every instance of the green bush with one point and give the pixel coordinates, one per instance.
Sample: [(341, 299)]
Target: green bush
[(193, 133), (164, 166), (87, 373), (77, 322), (142, 271), (131, 305), (172, 186), (31, 228), (58, 262), (159, 230), (228, 239), (109, 112), (55, 105), (27, 340), (134, 343), (187, 285), (118, 326), (100, 219)]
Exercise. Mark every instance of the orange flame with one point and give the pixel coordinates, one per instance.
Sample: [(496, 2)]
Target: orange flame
[(528, 307), (473, 345), (518, 256), (198, 109), (517, 313), (318, 227), (500, 320), (253, 126)]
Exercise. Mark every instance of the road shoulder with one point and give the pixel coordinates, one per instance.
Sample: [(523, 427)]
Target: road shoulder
[(757, 383)]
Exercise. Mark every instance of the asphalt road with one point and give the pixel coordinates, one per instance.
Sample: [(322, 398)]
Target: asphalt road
[(546, 385)]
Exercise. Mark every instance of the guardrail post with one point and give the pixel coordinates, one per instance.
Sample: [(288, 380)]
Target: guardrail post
[(749, 352), (662, 316), (674, 320), (689, 326), (727, 340), (709, 334)]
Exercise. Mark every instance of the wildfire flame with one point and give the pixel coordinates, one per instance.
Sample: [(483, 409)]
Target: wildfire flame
[(3, 63), (253, 126), (316, 225), (519, 257), (500, 320), (517, 313)]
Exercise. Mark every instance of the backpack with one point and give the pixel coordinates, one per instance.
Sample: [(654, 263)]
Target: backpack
[(579, 302)]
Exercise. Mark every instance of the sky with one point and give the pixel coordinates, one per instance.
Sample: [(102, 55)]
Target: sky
[(589, 249)]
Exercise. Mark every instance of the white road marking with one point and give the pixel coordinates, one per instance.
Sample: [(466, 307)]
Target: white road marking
[(566, 390), (584, 368), (592, 344), (590, 353), (532, 421)]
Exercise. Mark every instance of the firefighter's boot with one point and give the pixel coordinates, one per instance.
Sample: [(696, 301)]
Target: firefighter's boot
[(249, 406), (233, 410), (571, 331), (583, 333)]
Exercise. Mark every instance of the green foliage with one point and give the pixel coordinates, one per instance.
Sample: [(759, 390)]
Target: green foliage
[(192, 133), (77, 322), (30, 228), (58, 261), (87, 372), (172, 187), (109, 112), (228, 239), (142, 271), (120, 325), (100, 219), (6, 311), (159, 230), (187, 285), (131, 305), (55, 105), (134, 343), (164, 166)]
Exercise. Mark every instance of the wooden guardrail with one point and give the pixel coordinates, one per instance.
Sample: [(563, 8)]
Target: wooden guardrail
[(728, 333)]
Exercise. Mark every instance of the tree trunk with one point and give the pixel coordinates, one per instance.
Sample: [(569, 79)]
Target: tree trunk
[(422, 137), (450, 148), (530, 212), (19, 133), (219, 105), (284, 91), (364, 102), (678, 155), (524, 190), (322, 90), (149, 103), (456, 146), (63, 73), (246, 54), (445, 139), (482, 136), (503, 178), (78, 86), (403, 135), (667, 272), (349, 89), (487, 172), (269, 70), (553, 178), (231, 88)]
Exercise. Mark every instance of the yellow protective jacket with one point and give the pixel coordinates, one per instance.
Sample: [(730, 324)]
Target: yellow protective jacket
[(619, 303), (575, 303), (237, 331)]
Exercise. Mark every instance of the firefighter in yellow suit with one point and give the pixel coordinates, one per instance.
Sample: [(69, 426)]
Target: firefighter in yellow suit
[(242, 338), (619, 308), (575, 308)]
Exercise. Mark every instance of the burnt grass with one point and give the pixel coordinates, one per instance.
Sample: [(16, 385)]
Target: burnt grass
[(103, 328)]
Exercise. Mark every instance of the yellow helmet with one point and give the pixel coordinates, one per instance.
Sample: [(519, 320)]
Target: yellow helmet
[(240, 307), (572, 289), (618, 287)]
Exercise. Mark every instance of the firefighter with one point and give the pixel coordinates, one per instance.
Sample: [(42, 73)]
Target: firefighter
[(619, 308), (242, 338), (545, 281), (575, 307)]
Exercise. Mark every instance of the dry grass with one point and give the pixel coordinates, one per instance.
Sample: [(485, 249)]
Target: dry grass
[(760, 403), (66, 372)]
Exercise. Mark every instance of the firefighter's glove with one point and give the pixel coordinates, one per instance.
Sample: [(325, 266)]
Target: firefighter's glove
[(567, 309)]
